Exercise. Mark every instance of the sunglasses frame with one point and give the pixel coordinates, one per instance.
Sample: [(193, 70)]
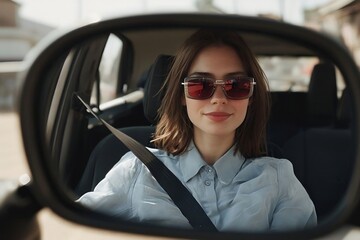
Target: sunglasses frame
[(217, 82)]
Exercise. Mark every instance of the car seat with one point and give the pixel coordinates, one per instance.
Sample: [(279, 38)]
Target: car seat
[(323, 159), (109, 150), (293, 111), (322, 97)]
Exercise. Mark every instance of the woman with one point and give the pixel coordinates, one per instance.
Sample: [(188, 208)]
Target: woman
[(211, 135)]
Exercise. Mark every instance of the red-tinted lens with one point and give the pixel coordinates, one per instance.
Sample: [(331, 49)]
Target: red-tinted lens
[(199, 88), (235, 88), (238, 88)]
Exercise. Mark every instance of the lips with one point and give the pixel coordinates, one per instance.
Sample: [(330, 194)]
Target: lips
[(218, 116)]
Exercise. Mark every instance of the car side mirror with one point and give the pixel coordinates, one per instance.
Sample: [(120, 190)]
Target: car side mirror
[(62, 66)]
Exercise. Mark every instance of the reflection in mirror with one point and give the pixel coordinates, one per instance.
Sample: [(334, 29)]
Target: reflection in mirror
[(248, 170)]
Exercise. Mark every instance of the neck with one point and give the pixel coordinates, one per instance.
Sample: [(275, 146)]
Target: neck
[(212, 148)]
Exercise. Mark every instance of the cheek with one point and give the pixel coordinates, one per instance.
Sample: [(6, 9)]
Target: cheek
[(242, 106), (193, 107)]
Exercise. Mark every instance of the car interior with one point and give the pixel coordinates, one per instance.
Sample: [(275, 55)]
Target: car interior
[(311, 127)]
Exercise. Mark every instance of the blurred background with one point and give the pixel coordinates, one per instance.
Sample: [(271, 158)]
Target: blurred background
[(24, 23)]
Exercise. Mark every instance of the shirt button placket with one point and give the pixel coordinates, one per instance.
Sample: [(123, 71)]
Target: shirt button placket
[(209, 176), (210, 194)]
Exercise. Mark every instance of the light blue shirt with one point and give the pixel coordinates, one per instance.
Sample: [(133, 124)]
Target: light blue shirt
[(237, 194)]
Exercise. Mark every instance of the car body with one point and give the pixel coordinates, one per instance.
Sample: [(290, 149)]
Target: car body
[(109, 63)]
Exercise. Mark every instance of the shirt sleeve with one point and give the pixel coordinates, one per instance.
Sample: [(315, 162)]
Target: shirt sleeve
[(113, 194), (294, 210)]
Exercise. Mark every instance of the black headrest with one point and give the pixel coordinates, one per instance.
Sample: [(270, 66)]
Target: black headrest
[(322, 95), (155, 79)]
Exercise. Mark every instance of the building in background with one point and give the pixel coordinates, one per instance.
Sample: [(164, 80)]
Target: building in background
[(340, 18), (17, 37)]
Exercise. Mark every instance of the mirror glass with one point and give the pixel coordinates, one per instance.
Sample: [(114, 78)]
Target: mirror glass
[(309, 125)]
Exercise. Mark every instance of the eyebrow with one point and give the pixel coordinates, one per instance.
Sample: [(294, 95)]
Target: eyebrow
[(207, 74)]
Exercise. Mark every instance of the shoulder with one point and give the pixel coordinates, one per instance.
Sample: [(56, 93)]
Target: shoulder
[(131, 161), (281, 166), (284, 167), (280, 169), (288, 183), (159, 153), (292, 198), (269, 170), (270, 161), (126, 167)]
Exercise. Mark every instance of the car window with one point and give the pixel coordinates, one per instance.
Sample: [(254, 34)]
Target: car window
[(108, 71), (288, 73), (293, 73)]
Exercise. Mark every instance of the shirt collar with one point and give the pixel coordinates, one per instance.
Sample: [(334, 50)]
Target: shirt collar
[(191, 162), (226, 167)]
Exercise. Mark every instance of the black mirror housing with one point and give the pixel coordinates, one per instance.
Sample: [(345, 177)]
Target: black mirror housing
[(52, 193)]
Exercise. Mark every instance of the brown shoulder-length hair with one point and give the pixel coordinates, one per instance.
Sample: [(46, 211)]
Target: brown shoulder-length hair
[(174, 130)]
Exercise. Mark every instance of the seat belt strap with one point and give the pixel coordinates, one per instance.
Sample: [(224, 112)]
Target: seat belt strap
[(180, 195)]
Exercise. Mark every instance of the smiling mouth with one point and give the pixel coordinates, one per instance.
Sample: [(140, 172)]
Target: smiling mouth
[(218, 116)]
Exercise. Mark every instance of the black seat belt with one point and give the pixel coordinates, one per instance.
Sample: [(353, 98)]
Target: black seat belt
[(180, 195)]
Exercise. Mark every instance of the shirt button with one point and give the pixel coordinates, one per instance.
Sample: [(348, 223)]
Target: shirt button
[(207, 182)]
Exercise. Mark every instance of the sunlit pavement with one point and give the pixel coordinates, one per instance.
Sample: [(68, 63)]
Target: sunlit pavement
[(13, 165)]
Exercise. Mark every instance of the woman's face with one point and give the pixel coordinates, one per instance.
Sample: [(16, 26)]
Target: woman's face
[(217, 116)]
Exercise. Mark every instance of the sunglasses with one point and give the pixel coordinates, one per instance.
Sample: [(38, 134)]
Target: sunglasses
[(237, 88)]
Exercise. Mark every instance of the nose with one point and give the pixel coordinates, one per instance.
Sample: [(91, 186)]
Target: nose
[(219, 97)]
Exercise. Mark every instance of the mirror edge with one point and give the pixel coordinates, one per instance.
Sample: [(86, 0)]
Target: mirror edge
[(54, 193)]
